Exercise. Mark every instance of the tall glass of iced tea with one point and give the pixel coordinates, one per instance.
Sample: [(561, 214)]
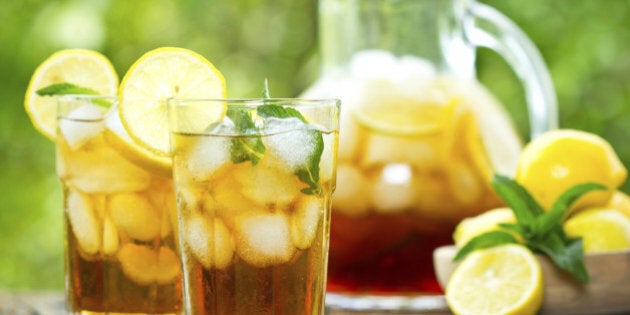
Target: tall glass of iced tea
[(120, 216), (253, 186)]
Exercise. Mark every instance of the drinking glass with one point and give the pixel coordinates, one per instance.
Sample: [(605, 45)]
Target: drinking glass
[(253, 190), (121, 252)]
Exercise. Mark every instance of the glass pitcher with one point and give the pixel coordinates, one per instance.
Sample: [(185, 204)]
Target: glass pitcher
[(420, 138)]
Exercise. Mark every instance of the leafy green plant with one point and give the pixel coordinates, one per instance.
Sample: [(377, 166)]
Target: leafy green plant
[(539, 230)]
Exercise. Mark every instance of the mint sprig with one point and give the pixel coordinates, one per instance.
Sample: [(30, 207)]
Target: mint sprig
[(66, 88), (539, 230), (252, 148)]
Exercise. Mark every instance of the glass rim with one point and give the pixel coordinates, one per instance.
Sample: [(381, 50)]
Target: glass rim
[(86, 96), (255, 102)]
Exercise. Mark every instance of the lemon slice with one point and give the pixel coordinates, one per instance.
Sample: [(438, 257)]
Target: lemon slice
[(85, 68), (601, 229), (161, 74), (117, 137), (560, 159), (401, 117), (499, 280)]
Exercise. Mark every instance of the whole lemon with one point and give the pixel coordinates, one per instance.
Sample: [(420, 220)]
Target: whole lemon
[(560, 159)]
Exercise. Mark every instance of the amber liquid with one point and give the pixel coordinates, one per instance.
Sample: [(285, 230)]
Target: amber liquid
[(393, 207), (399, 260), (98, 286), (120, 233), (250, 245), (292, 288)]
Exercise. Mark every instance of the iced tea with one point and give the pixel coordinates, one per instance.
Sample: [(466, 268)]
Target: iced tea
[(254, 193), (417, 152), (120, 219)]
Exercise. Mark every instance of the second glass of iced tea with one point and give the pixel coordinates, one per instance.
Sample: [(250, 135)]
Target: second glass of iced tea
[(254, 186), (120, 216)]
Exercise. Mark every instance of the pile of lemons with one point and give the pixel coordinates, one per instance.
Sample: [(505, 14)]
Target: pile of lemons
[(508, 279)]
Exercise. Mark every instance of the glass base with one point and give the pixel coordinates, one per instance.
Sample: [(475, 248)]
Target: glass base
[(342, 304)]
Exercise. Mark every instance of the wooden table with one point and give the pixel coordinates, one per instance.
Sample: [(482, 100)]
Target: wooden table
[(52, 303)]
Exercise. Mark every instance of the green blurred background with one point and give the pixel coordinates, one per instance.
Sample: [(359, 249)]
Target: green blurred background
[(586, 45)]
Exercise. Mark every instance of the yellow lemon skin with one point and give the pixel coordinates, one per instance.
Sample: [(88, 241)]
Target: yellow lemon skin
[(560, 159), (82, 67), (488, 221), (601, 229), (160, 74), (499, 280), (620, 201)]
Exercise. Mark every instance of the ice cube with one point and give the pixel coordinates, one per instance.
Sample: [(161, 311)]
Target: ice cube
[(347, 90), (209, 240), (383, 149), (394, 190), (264, 239), (267, 184), (372, 64), (223, 196), (466, 188), (204, 156), (305, 220), (111, 242), (103, 170), (291, 140), (146, 266), (162, 197), (412, 76), (114, 124), (327, 162), (81, 125), (83, 221), (349, 136), (351, 195), (134, 215), (167, 266)]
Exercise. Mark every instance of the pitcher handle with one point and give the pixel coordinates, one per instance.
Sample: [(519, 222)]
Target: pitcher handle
[(500, 34)]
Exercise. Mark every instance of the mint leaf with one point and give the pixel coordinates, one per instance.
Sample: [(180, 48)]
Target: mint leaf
[(278, 111), (485, 240), (69, 88), (249, 147), (64, 89), (542, 231), (553, 219), (308, 173), (566, 254), (525, 208)]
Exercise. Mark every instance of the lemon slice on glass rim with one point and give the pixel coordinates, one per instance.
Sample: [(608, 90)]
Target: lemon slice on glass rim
[(158, 75), (82, 67)]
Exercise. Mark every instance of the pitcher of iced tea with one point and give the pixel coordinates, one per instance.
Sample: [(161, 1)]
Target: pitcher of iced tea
[(420, 137)]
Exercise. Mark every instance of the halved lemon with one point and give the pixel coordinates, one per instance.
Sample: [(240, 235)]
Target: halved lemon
[(488, 221), (158, 75), (499, 280), (82, 67), (601, 229)]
